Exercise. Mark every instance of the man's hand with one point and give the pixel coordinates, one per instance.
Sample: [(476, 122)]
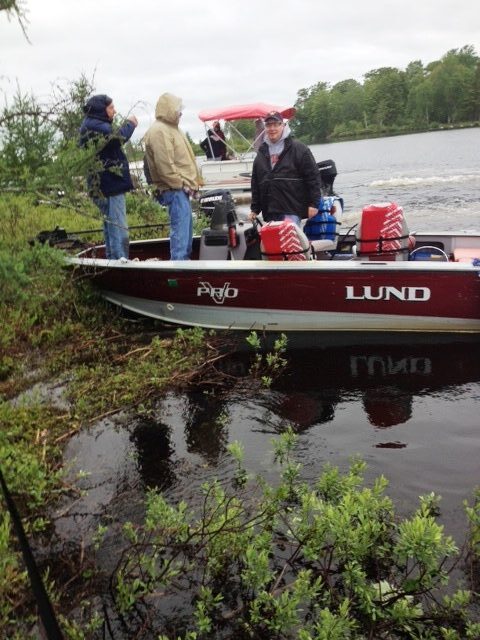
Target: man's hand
[(252, 215), (312, 211), (133, 120)]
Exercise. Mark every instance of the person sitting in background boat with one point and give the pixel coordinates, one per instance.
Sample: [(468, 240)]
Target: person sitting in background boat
[(214, 145), (173, 171), (108, 185), (285, 176)]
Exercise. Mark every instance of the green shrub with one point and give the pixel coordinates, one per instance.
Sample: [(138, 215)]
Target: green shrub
[(292, 561)]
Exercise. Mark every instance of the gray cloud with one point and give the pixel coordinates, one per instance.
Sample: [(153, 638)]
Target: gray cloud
[(220, 53)]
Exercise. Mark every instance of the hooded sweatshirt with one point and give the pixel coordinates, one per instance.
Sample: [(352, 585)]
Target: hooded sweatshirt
[(114, 176), (285, 183), (276, 148), (170, 157)]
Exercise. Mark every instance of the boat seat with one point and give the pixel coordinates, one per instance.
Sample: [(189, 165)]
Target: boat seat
[(284, 240), (323, 245), (383, 233), (214, 244)]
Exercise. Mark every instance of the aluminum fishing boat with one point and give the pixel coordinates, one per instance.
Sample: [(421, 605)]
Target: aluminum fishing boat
[(376, 277)]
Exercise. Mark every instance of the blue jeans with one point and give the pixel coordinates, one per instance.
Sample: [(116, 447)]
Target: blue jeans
[(115, 227), (181, 222)]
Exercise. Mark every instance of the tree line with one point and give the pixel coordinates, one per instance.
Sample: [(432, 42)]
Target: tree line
[(38, 146), (443, 93)]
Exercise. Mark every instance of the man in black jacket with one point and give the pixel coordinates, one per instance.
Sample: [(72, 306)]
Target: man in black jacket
[(285, 176)]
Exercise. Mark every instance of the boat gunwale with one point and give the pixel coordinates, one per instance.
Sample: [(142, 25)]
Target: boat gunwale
[(263, 266)]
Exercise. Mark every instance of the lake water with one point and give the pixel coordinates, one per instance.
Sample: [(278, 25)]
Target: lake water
[(434, 176), (408, 406)]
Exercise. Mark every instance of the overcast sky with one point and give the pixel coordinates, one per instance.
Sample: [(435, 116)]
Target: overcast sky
[(222, 52)]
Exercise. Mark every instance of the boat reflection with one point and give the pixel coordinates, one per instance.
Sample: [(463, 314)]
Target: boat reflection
[(382, 382), (386, 376)]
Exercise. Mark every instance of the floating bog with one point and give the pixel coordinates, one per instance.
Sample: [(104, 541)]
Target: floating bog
[(284, 241)]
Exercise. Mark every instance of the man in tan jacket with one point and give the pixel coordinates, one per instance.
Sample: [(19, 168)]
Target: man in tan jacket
[(173, 171)]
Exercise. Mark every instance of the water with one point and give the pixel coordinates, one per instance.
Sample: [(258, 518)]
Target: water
[(434, 176), (408, 406)]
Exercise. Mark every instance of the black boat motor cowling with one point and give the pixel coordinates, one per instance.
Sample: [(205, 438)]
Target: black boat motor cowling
[(215, 205), (328, 173)]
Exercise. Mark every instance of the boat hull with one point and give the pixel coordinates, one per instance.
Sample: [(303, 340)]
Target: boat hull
[(234, 175), (292, 296)]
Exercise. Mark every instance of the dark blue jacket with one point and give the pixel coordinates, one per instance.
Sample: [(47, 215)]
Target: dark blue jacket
[(97, 128)]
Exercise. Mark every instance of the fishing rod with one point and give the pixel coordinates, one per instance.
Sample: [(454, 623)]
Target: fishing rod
[(48, 620)]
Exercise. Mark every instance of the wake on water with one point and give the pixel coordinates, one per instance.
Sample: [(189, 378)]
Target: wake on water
[(428, 180)]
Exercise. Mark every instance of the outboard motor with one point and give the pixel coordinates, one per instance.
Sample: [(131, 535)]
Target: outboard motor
[(328, 173), (214, 202), (216, 241), (227, 238)]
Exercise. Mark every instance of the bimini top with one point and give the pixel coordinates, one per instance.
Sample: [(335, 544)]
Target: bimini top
[(245, 112)]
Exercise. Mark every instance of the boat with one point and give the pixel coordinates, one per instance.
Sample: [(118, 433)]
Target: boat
[(234, 174), (376, 276)]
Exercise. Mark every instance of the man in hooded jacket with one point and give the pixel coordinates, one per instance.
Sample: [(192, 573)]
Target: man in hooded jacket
[(173, 171), (285, 176), (108, 184)]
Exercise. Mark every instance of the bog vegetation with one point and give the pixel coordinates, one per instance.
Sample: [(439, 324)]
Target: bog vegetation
[(325, 560)]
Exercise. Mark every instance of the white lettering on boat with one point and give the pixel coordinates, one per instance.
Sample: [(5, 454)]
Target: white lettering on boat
[(218, 294), (406, 294)]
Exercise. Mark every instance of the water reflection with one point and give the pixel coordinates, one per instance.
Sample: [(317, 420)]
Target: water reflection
[(381, 382), (302, 410), (410, 410), (154, 450), (205, 418), (386, 377), (387, 406)]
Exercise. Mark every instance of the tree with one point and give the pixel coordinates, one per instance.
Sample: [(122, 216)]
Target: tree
[(67, 109), (451, 89), (465, 56), (476, 93), (26, 140), (420, 103), (385, 96), (38, 143), (312, 120), (347, 102), (15, 8), (414, 74)]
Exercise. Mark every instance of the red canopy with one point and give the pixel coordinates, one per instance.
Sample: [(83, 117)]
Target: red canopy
[(245, 112)]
